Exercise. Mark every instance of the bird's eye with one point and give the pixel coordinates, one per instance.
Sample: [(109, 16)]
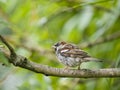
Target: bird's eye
[(57, 44)]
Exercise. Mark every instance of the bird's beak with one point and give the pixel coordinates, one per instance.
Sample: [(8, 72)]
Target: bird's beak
[(53, 46)]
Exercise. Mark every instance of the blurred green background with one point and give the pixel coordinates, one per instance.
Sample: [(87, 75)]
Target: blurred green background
[(33, 26)]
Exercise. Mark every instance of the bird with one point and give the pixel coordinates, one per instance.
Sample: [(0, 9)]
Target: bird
[(71, 55)]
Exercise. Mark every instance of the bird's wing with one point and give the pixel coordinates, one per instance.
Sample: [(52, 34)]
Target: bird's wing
[(75, 53)]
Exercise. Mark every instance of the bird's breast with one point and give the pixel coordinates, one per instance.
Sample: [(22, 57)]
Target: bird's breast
[(69, 61)]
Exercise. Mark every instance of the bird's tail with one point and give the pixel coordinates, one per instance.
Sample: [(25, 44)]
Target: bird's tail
[(93, 59)]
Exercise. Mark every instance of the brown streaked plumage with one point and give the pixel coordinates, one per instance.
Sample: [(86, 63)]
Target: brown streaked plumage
[(70, 55)]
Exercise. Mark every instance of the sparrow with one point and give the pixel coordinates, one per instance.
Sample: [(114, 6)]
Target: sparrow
[(71, 55)]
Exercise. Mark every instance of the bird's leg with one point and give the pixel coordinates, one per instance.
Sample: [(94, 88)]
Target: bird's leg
[(66, 67), (79, 66)]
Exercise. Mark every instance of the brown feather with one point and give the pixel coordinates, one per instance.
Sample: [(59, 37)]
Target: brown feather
[(74, 53)]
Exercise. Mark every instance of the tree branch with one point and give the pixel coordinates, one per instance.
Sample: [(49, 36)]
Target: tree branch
[(23, 62), (108, 38), (80, 4)]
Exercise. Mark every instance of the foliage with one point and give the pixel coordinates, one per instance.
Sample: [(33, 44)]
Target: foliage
[(33, 26)]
